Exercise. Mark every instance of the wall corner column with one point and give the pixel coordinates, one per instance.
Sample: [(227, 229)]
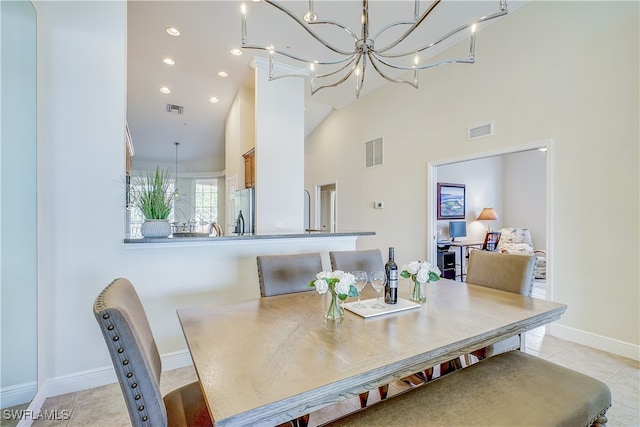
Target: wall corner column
[(279, 151)]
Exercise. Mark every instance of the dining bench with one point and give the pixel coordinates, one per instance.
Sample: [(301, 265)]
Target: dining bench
[(510, 389)]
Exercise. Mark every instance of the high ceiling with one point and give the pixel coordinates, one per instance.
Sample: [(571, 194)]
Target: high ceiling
[(209, 30)]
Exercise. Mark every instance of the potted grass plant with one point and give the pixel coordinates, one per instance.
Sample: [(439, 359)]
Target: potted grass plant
[(153, 194)]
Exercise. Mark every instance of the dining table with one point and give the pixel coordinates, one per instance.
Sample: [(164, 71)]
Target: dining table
[(265, 361)]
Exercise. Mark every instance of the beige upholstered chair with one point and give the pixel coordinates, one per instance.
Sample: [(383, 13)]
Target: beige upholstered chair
[(506, 272), (136, 360), (363, 260), (286, 274), (515, 240)]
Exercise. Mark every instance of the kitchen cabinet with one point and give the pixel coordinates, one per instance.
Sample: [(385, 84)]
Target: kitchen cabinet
[(249, 168)]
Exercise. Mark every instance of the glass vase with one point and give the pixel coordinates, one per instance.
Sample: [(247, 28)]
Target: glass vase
[(334, 311), (418, 295)]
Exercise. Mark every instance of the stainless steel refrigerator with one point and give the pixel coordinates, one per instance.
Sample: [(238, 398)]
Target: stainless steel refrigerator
[(245, 203)]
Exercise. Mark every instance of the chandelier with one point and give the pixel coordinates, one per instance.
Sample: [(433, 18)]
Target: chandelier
[(353, 60)]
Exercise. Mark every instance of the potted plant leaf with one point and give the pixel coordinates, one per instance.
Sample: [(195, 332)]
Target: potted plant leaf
[(154, 194)]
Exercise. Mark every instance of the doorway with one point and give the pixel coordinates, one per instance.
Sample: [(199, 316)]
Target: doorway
[(505, 196), (326, 207)]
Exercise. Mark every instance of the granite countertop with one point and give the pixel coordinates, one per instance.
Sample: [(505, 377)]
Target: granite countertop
[(232, 238)]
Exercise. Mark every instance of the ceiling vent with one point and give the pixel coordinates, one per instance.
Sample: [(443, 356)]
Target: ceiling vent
[(171, 108), (480, 131), (373, 153)]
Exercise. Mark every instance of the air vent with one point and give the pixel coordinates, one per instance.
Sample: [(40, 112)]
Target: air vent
[(373, 153), (480, 131), (171, 108)]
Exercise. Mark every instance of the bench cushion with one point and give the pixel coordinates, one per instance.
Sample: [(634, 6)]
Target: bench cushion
[(510, 389)]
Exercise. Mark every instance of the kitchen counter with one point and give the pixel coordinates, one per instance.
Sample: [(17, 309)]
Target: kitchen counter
[(247, 237)]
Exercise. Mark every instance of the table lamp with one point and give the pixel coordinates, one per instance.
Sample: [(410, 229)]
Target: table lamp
[(488, 214)]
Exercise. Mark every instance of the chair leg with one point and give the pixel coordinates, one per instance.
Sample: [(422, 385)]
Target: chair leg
[(363, 399), (480, 354), (450, 366), (383, 390), (302, 421), (428, 374)]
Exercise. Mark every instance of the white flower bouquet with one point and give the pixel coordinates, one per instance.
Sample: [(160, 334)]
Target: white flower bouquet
[(340, 284), (420, 272)]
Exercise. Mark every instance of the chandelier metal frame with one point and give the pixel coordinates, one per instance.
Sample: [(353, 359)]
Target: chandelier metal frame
[(365, 50)]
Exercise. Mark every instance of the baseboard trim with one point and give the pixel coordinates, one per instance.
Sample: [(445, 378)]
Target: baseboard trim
[(596, 341), (90, 379), (18, 394)]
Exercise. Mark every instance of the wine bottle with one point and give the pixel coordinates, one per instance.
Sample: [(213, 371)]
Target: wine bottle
[(391, 287), (240, 227)]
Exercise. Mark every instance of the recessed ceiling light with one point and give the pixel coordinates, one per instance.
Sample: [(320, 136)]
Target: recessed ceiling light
[(165, 89), (236, 52), (213, 100), (169, 61), (223, 74), (173, 31)]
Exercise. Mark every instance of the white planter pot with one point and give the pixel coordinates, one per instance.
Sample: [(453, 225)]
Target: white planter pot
[(155, 228)]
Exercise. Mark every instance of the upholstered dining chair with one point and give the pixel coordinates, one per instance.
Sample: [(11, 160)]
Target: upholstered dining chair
[(506, 272), (136, 360), (286, 274), (360, 260), (363, 260)]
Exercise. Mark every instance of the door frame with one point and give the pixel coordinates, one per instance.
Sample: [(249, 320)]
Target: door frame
[(432, 180), (318, 204)]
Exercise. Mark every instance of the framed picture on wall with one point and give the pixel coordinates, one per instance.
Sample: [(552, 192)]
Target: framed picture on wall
[(451, 199)]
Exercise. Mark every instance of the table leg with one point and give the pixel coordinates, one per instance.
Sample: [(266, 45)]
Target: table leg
[(462, 263)]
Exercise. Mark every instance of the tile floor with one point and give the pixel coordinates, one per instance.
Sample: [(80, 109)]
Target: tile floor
[(105, 407)]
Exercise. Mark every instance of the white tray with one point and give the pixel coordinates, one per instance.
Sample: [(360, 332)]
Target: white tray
[(367, 311)]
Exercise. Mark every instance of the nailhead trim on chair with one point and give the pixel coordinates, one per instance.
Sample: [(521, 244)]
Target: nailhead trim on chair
[(110, 331)]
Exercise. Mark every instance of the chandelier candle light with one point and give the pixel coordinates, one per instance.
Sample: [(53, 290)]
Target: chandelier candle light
[(353, 60)]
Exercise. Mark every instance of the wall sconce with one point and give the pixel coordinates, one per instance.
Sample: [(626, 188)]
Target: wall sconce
[(488, 214)]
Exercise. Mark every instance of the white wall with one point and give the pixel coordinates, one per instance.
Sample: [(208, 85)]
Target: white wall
[(577, 83), (525, 194), (513, 184), (483, 188), (544, 88), (81, 100), (279, 161)]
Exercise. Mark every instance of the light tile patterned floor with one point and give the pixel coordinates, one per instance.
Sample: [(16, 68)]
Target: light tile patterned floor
[(105, 407)]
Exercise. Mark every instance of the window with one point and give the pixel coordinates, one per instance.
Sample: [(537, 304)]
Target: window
[(206, 200), (201, 206)]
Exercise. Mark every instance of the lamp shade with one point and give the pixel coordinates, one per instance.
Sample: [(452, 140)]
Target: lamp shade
[(488, 214)]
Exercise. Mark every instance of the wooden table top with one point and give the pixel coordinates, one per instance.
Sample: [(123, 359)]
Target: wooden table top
[(269, 360)]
